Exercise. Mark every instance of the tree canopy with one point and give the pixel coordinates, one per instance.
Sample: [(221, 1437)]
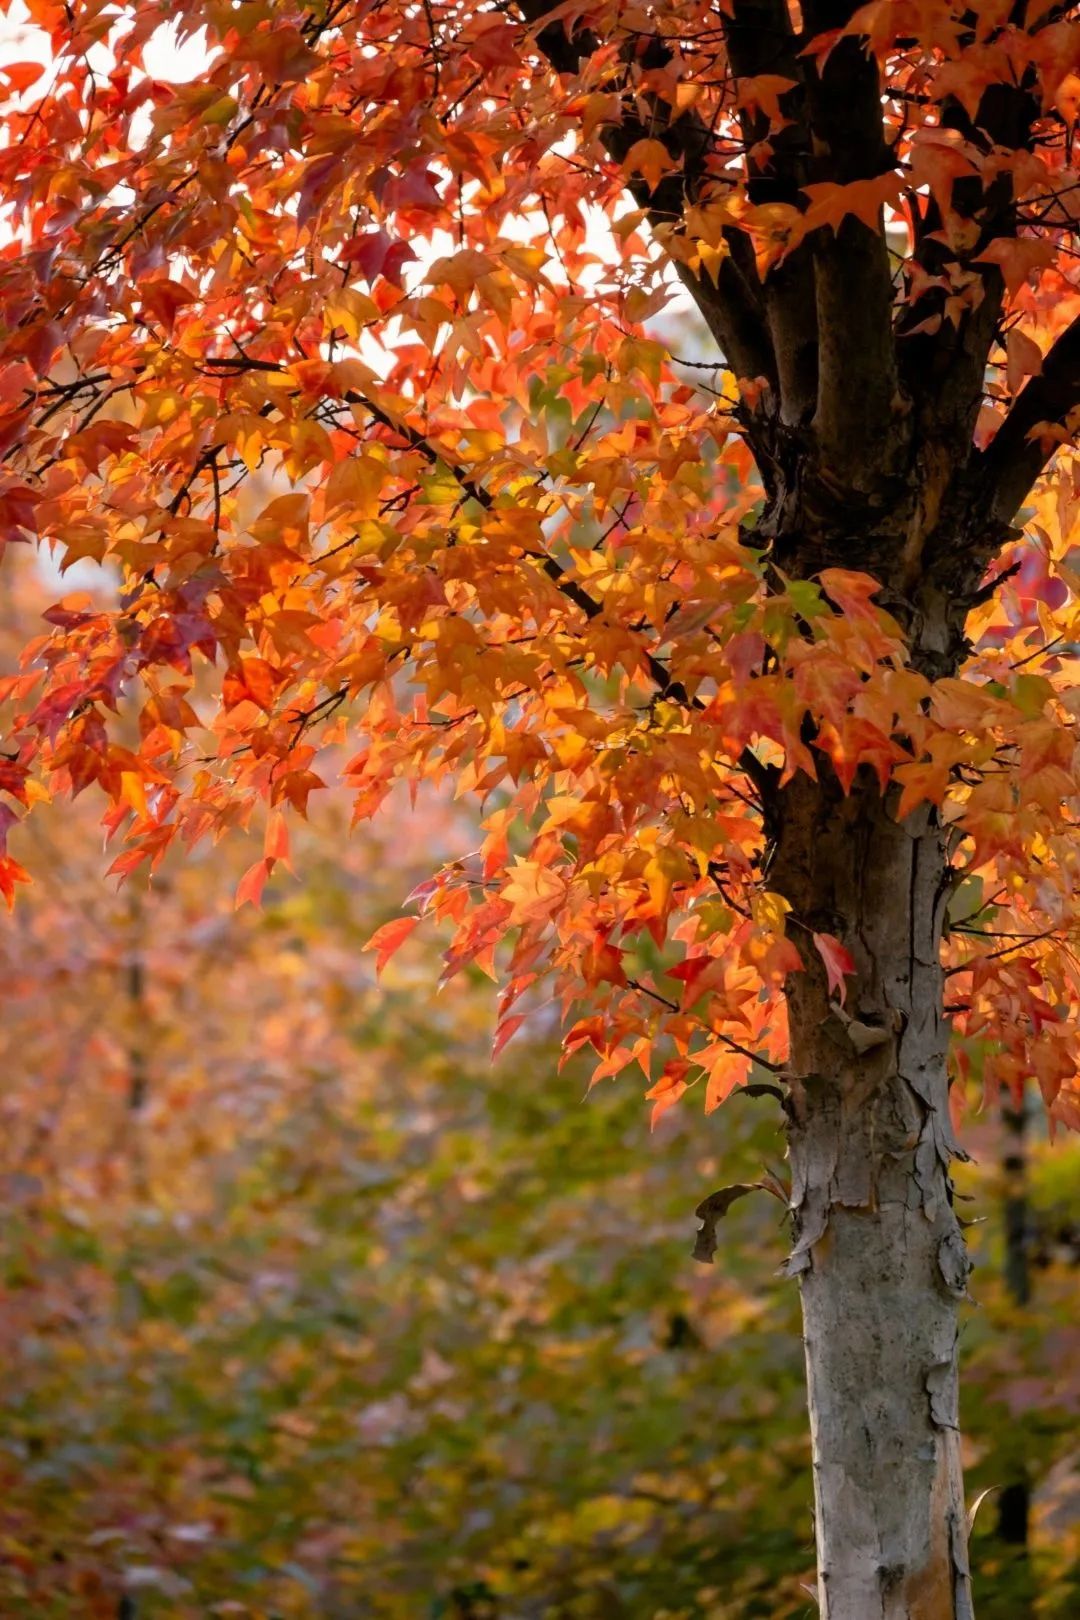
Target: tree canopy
[(344, 357)]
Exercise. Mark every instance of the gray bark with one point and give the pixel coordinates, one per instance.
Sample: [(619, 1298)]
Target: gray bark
[(878, 1249)]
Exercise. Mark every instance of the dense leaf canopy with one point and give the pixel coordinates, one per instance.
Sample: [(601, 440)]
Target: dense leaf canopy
[(347, 358)]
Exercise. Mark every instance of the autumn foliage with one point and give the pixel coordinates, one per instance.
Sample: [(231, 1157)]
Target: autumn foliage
[(360, 404), (368, 364), (336, 354)]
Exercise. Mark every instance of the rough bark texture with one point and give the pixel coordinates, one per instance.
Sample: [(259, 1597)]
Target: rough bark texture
[(878, 1249)]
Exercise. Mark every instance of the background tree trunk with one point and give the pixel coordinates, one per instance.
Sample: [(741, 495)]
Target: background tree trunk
[(878, 1249), (1014, 1498)]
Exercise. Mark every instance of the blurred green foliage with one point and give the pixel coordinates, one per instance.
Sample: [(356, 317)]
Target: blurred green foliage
[(341, 1321)]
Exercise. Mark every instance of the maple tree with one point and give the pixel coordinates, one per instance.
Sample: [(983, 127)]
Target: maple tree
[(345, 356)]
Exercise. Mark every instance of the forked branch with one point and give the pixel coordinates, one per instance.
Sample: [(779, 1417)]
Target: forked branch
[(732, 303), (1019, 452)]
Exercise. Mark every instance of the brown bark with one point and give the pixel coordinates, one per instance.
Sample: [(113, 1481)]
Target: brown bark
[(878, 1249)]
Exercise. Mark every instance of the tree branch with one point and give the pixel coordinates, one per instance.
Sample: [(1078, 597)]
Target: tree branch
[(732, 306), (1010, 465), (858, 385), (760, 40), (658, 671), (942, 365)]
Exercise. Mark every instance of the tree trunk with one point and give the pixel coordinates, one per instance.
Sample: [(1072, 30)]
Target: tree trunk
[(1014, 1498), (878, 1249)]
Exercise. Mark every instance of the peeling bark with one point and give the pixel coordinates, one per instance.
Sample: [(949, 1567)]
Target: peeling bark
[(878, 1250)]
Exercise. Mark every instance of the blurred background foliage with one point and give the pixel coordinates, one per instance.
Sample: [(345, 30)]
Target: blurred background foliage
[(308, 1310)]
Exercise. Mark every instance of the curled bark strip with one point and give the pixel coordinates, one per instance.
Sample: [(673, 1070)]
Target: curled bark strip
[(977, 1504), (712, 1210), (813, 1223), (942, 1390), (760, 1090), (864, 1037), (953, 1262)]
